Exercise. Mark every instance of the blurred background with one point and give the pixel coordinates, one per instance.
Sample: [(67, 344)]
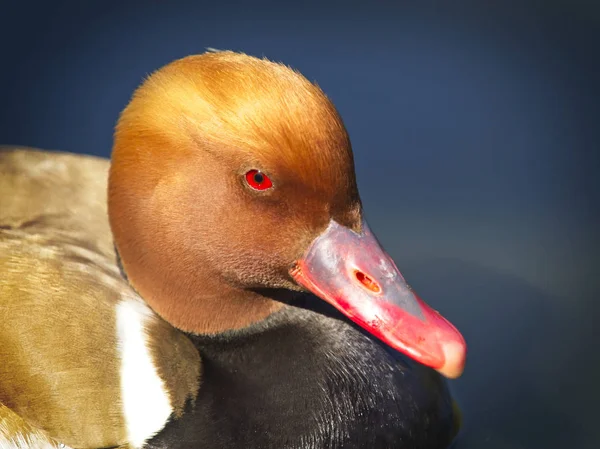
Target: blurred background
[(476, 131)]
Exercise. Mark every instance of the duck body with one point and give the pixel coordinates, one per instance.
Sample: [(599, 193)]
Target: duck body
[(215, 285), (306, 377)]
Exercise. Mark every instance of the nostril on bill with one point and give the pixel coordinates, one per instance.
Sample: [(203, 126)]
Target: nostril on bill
[(367, 282)]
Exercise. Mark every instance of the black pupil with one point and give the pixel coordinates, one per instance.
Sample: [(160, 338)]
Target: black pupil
[(258, 178)]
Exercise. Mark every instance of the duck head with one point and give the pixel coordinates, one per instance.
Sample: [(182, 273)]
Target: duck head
[(231, 175)]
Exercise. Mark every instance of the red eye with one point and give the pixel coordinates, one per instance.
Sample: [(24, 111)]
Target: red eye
[(258, 180)]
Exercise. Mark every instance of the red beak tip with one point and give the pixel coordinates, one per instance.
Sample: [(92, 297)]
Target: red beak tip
[(455, 355)]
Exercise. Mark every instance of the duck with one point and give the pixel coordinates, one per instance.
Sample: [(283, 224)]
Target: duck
[(215, 284)]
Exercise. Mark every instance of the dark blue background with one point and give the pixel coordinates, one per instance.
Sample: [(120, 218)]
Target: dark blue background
[(475, 129)]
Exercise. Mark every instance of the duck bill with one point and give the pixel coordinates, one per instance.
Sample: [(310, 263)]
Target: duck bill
[(352, 272)]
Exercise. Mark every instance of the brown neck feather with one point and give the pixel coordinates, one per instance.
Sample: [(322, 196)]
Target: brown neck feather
[(219, 312), (207, 307)]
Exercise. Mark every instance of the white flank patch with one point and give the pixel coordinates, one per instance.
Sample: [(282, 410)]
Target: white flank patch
[(146, 405)]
